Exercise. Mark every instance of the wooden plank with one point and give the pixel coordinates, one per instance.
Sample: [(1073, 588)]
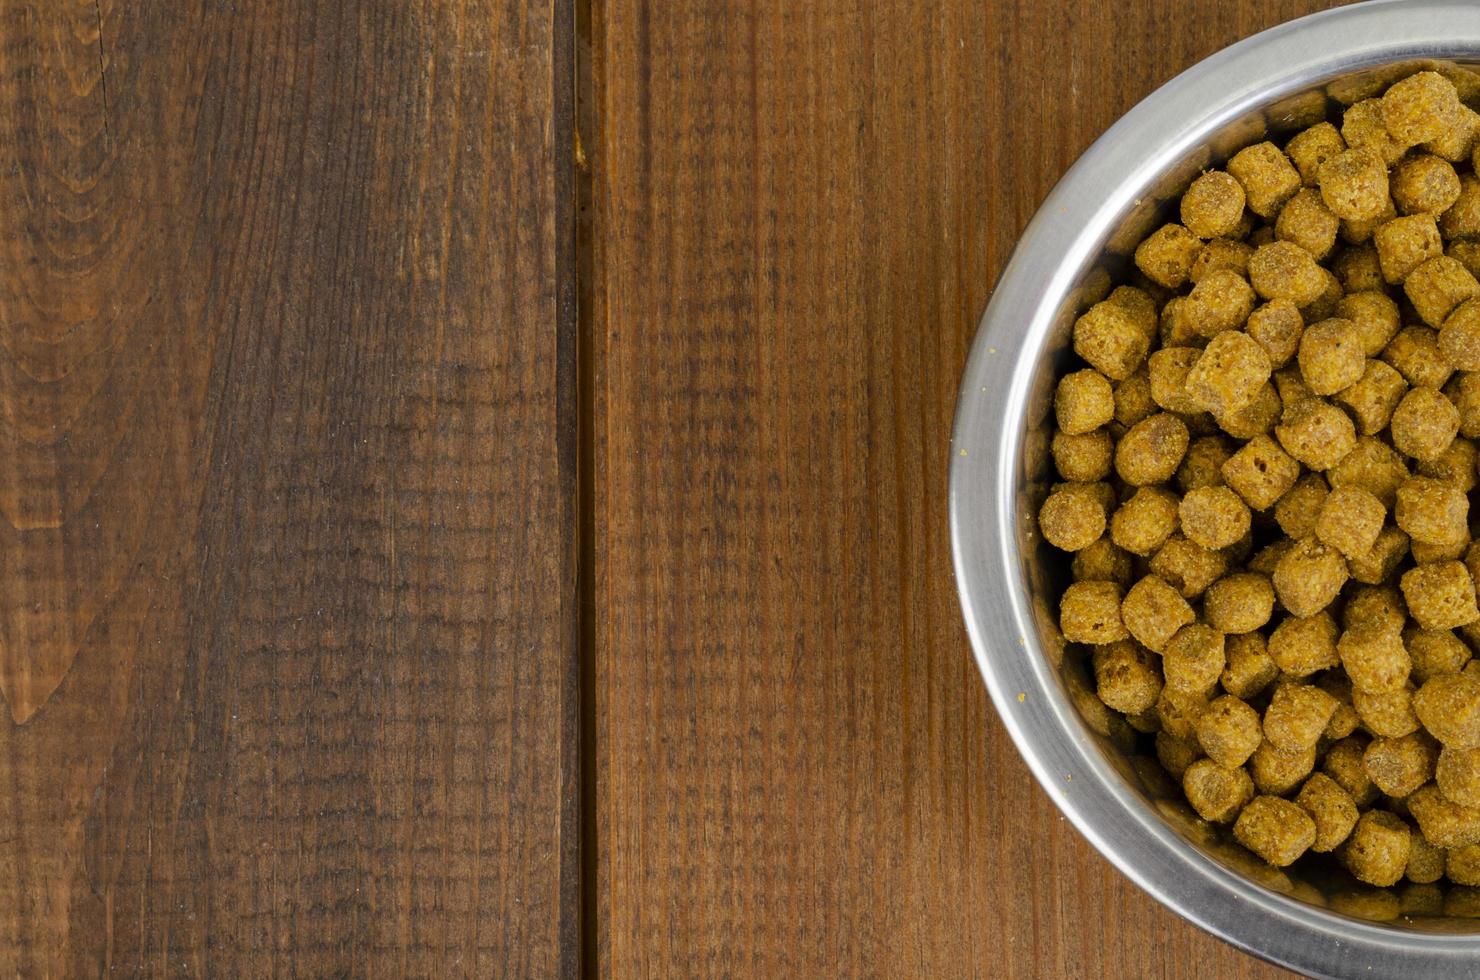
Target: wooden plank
[(288, 626), (803, 208)]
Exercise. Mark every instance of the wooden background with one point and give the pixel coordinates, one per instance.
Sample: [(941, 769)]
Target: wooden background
[(472, 486)]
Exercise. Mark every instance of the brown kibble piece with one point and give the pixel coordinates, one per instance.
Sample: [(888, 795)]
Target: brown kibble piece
[(1203, 464), (1420, 108), (1133, 401), (1298, 510), (1256, 418), (1083, 459), (1284, 270), (1375, 317), (1153, 612), (1449, 708), (1358, 269), (1404, 244), (1302, 646), (1297, 716), (1229, 373), (1193, 659), (1188, 567), (1459, 338), (1374, 397), (1306, 221), (1374, 607), (1178, 713), (1424, 184), (1261, 472), (1458, 775), (1221, 254), (1415, 353), (1277, 326), (1462, 221), (1425, 865), (1462, 865), (1432, 511), (1330, 807), (1240, 603), (1144, 522), (1387, 714), (1344, 719), (1466, 253), (1331, 356), (1379, 563), (1454, 466), (1228, 731), (1434, 653), (1176, 754), (1354, 184), (1440, 595), (1277, 830), (1464, 390), (1151, 450), (1168, 369), (1437, 286), (1090, 613), (1362, 125), (1374, 657), (1166, 257), (1377, 850), (1444, 822), (1278, 772), (1250, 668), (1398, 766), (1101, 561), (1213, 205), (1424, 423), (1215, 791), (1350, 521), (1343, 763), (1220, 301), (1126, 677), (1312, 147), (1073, 516), (1267, 176), (1309, 577), (1372, 465), (1214, 517)]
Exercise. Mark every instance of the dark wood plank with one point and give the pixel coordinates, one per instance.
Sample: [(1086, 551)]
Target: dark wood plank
[(287, 628), (803, 208)]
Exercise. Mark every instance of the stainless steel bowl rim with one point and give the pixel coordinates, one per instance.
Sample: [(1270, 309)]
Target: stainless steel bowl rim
[(1060, 244)]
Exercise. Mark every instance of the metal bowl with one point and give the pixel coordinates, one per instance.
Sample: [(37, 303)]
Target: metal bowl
[(1274, 82)]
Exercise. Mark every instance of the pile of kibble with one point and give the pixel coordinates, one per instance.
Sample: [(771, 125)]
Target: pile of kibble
[(1266, 463)]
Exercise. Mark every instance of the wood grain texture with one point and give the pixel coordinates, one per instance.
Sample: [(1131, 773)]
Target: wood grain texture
[(803, 208), (287, 629)]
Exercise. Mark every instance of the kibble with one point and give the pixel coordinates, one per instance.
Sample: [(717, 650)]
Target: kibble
[(1266, 449), (1284, 270), (1240, 603), (1189, 567), (1309, 577), (1213, 205), (1303, 645), (1153, 612), (1330, 807), (1250, 668), (1268, 177), (1424, 423), (1398, 766), (1354, 184), (1440, 595), (1277, 830), (1424, 184), (1437, 286), (1415, 353), (1090, 613), (1377, 850), (1229, 372)]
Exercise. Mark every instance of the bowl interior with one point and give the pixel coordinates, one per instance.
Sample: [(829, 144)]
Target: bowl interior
[(1319, 880)]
